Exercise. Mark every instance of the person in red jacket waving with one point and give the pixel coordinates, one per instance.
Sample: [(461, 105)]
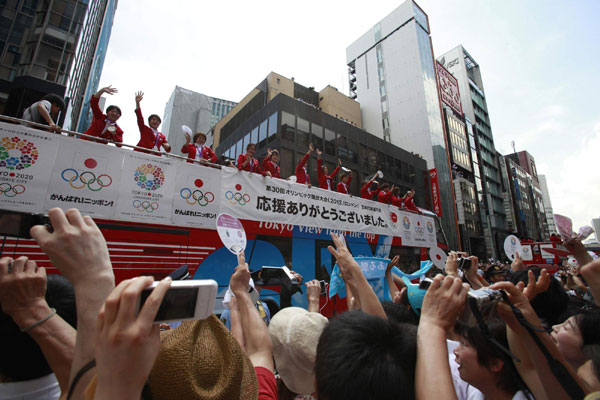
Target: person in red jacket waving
[(270, 163), (150, 137), (105, 125), (326, 180), (366, 192), (247, 162), (385, 194), (197, 150), (344, 185), (409, 203), (301, 172)]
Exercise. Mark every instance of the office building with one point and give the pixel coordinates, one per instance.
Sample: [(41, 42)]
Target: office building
[(465, 167), (547, 204), (392, 74), (473, 101), (195, 110), (89, 61), (38, 40), (282, 114), (596, 226)]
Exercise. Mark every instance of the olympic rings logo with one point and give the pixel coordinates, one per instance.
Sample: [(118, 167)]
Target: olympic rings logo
[(11, 191), (28, 153), (237, 197), (87, 178), (149, 177), (197, 197), (420, 230), (145, 206)]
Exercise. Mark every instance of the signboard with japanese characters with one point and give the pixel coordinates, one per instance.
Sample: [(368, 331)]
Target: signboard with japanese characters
[(146, 188), (448, 85), (26, 159), (195, 198), (85, 176)]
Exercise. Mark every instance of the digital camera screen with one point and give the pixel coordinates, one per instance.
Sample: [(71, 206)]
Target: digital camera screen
[(178, 303)]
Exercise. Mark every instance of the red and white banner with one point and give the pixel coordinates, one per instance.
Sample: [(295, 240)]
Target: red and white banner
[(448, 86), (435, 192)]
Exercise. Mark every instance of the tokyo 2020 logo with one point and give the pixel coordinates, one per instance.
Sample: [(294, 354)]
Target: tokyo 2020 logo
[(197, 196), (429, 227), (406, 222), (149, 177), (80, 180), (238, 197), (17, 153)]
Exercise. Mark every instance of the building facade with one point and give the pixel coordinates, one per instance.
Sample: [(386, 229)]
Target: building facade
[(87, 69), (38, 41), (547, 205), (392, 74), (196, 110), (472, 96)]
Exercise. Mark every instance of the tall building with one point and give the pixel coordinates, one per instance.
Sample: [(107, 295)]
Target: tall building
[(547, 204), (472, 96), (465, 168), (38, 40), (196, 110), (392, 74), (596, 226), (89, 61)]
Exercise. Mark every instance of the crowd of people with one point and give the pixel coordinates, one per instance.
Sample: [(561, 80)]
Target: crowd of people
[(475, 335)]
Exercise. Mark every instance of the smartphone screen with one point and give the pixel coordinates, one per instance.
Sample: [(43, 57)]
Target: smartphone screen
[(10, 223), (178, 303)]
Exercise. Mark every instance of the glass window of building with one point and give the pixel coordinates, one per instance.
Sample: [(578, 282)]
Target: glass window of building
[(398, 168), (286, 163), (272, 128), (352, 151), (302, 132), (342, 148), (262, 134), (239, 148), (380, 161), (316, 138), (254, 136), (389, 164), (372, 159), (329, 142), (363, 156), (288, 126), (246, 142)]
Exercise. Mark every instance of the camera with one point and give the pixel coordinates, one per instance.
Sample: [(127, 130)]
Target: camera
[(18, 224), (482, 301), (464, 263)]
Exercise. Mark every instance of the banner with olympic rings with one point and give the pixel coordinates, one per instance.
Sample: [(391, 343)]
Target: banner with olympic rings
[(146, 188), (26, 159), (86, 174), (194, 200), (414, 229)]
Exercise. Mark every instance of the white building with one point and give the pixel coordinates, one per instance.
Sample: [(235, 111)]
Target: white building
[(547, 204), (596, 226), (196, 110), (392, 75)]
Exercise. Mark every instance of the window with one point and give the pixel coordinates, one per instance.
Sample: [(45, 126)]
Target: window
[(352, 151), (286, 163), (254, 136), (363, 156), (316, 135), (262, 134), (342, 148), (303, 132), (272, 128), (329, 142), (239, 150), (246, 142), (288, 126), (372, 160), (398, 168)]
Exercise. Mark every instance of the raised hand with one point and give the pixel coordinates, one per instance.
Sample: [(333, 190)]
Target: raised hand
[(138, 97), (313, 294), (339, 162), (517, 263), (319, 152), (22, 288), (311, 148), (534, 287), (240, 280), (444, 300), (108, 90)]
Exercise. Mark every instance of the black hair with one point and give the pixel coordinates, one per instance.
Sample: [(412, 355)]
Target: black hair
[(385, 185), (22, 359), (55, 100), (548, 305), (113, 107), (487, 352), (588, 323), (154, 116), (361, 356), (250, 145), (400, 313), (592, 352)]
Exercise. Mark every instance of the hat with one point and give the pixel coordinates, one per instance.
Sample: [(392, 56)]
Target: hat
[(295, 334), (494, 270), (202, 360)]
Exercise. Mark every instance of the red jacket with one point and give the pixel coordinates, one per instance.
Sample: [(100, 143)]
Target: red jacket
[(207, 153), (397, 201), (147, 138), (384, 197), (252, 166), (325, 181), (365, 193), (97, 128), (270, 166), (410, 205), (301, 173), (343, 187)]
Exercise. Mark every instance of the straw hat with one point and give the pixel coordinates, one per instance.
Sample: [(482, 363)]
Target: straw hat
[(202, 360), (295, 334)]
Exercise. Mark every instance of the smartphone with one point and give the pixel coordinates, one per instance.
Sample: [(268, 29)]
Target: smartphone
[(18, 224), (184, 300), (323, 288)]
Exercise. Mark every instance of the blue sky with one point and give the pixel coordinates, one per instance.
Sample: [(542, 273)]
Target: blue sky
[(539, 62)]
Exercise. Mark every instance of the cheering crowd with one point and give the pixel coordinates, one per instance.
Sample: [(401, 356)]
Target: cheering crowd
[(518, 335), (104, 126)]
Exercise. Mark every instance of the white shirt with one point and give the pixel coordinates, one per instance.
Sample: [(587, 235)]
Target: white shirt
[(44, 388), (463, 390)]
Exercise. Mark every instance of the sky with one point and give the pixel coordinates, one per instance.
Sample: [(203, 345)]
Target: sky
[(539, 60)]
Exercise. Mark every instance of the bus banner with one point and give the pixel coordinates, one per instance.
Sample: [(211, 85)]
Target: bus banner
[(26, 159)]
